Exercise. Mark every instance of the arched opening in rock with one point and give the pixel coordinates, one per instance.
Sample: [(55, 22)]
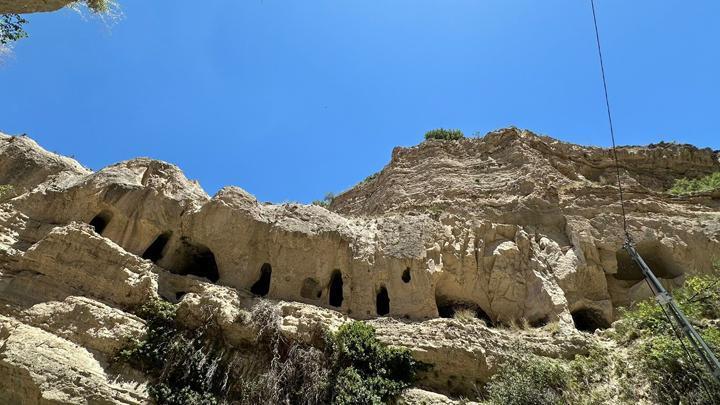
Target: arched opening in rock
[(197, 260), (310, 289), (101, 221), (588, 320), (658, 258), (382, 302), (453, 308), (406, 275), (179, 295), (262, 285), (335, 296), (154, 252)]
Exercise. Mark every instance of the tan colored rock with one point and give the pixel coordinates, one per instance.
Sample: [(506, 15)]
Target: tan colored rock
[(31, 6), (514, 228), (88, 323), (40, 368), (76, 261)]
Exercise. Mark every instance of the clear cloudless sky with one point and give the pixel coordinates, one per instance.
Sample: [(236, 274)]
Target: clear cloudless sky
[(291, 99)]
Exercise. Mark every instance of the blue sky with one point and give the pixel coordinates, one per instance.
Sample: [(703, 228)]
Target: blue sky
[(291, 99)]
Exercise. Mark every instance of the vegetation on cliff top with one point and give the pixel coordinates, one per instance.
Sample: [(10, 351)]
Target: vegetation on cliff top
[(196, 367), (684, 186), (444, 134)]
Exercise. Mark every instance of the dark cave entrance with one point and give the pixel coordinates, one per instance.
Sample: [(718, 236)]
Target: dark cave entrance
[(406, 275), (382, 302), (588, 320), (198, 260), (449, 308), (154, 252), (335, 297), (101, 221), (310, 289), (657, 257), (262, 285)]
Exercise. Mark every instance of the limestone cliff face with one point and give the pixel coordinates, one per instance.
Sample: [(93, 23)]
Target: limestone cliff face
[(31, 6), (513, 226)]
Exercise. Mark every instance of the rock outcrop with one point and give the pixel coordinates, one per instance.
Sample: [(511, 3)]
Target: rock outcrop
[(32, 6), (514, 228)]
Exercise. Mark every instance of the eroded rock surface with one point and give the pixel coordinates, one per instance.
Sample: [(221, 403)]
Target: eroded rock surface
[(512, 228)]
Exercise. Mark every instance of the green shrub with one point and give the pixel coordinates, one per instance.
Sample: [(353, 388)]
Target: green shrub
[(445, 134), (673, 377), (6, 191), (193, 367), (669, 372), (528, 379), (364, 365), (688, 186), (11, 28), (326, 201)]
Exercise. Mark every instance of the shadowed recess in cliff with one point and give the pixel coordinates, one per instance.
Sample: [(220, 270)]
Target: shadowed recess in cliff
[(335, 296), (382, 302), (310, 289), (154, 252), (197, 260), (449, 308), (262, 285), (588, 320), (659, 258), (101, 221)]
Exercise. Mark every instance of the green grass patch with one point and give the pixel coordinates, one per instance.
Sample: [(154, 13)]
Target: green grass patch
[(688, 186)]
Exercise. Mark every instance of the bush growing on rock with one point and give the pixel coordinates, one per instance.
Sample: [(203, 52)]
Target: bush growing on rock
[(688, 186), (671, 375), (445, 134), (196, 367)]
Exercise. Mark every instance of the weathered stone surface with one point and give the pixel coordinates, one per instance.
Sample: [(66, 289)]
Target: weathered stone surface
[(38, 367), (32, 6), (86, 322), (513, 228)]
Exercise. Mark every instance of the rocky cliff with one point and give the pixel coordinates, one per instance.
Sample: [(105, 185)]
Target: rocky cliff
[(516, 228)]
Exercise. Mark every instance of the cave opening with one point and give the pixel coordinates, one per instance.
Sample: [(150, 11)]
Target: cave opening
[(154, 252), (452, 308), (101, 221), (198, 260), (382, 302), (657, 257), (335, 295), (588, 320), (406, 275), (262, 285), (310, 289)]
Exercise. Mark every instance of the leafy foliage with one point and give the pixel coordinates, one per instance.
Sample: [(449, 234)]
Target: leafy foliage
[(11, 28), (688, 186), (193, 367), (326, 201), (6, 191), (367, 368), (671, 374), (445, 134), (529, 379)]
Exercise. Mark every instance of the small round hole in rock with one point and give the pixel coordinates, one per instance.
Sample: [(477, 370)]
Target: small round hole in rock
[(406, 275)]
